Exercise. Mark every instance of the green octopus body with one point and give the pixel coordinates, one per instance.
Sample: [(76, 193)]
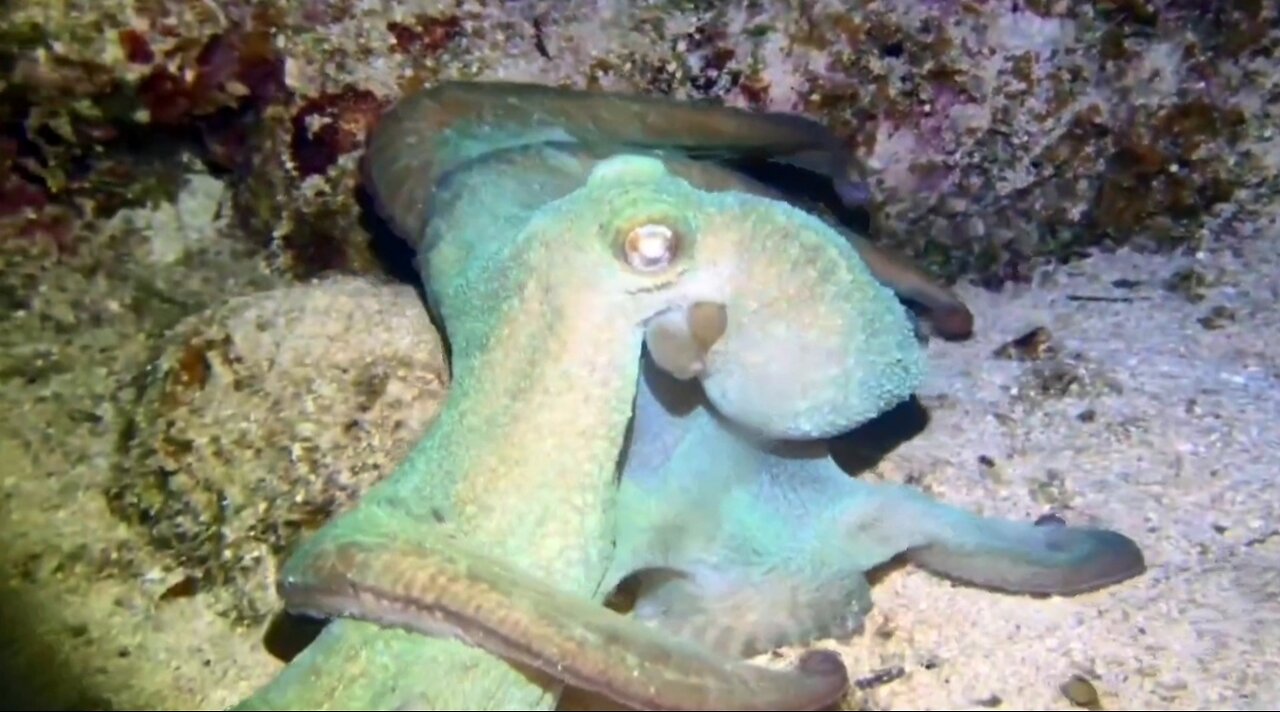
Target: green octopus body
[(649, 351)]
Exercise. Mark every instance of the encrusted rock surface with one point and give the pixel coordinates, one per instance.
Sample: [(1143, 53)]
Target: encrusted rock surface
[(993, 131), (264, 417)]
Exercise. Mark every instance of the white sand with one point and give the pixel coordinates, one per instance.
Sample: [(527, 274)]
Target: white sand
[(1183, 459)]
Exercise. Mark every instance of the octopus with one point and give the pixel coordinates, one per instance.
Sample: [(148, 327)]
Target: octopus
[(650, 354)]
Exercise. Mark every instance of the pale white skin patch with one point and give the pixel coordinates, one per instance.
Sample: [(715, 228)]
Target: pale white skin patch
[(679, 339)]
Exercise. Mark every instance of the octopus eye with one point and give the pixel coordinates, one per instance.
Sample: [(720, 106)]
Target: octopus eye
[(650, 247)]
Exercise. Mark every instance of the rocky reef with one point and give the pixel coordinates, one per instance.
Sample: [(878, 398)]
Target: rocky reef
[(992, 132), (251, 427)]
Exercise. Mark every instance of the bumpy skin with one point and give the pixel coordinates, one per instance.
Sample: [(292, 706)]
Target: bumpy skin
[(499, 528)]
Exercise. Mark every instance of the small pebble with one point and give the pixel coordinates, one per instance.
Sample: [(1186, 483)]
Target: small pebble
[(880, 677), (1218, 317), (1081, 693), (1034, 345)]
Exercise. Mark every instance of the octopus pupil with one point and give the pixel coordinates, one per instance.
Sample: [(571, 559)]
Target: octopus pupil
[(650, 247)]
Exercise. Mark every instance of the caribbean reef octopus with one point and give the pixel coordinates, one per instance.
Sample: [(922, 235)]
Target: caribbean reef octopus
[(649, 354)]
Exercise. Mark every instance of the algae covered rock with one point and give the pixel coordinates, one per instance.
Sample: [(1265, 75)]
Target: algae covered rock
[(264, 416), (991, 133)]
